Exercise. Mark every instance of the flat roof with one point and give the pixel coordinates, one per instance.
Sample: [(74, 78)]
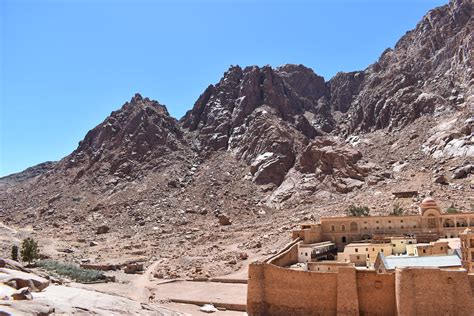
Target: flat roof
[(392, 262)]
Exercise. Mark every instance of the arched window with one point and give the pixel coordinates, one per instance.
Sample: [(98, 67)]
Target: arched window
[(353, 226), (333, 228), (343, 227)]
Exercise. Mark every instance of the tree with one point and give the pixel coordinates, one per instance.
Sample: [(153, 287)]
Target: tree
[(29, 250), (452, 210), (15, 252), (397, 210), (357, 210)]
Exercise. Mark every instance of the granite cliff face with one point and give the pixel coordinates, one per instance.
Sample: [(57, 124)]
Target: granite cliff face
[(264, 143), (139, 137), (428, 71)]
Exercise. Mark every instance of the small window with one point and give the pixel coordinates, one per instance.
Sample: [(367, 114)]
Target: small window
[(389, 221), (377, 222), (424, 250), (441, 248), (333, 228), (389, 227), (401, 227), (410, 242), (306, 254), (381, 250), (344, 239), (343, 227), (356, 250), (358, 258), (377, 227), (393, 245), (403, 242), (368, 256), (366, 249), (373, 249)]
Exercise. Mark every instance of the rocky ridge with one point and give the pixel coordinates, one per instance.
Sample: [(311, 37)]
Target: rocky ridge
[(260, 148)]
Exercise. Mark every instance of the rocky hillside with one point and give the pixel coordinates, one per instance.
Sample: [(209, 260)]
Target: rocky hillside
[(264, 148)]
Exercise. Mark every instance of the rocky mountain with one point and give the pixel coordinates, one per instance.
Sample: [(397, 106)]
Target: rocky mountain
[(261, 150)]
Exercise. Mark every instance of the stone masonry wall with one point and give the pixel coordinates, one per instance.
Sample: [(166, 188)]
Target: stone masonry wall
[(278, 291)]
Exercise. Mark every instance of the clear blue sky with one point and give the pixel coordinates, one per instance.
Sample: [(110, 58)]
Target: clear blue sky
[(66, 64)]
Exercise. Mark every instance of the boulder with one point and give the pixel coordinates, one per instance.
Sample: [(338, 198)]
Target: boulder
[(441, 179), (224, 220), (12, 264), (132, 268), (19, 279), (208, 308), (22, 294), (462, 172), (104, 229)]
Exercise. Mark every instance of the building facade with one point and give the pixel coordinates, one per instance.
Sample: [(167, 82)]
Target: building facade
[(429, 222), (467, 249)]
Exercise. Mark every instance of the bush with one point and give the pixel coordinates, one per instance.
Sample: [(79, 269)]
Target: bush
[(357, 210), (397, 210), (29, 250), (71, 271), (452, 210), (15, 252)]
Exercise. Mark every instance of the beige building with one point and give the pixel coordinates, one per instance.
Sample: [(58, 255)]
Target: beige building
[(316, 251), (400, 244), (436, 248), (429, 222), (363, 253), (467, 249)]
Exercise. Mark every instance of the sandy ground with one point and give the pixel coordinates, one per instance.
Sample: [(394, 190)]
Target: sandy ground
[(212, 292)]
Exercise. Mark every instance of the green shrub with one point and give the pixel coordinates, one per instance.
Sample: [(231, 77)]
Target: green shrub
[(71, 271), (15, 252), (397, 210), (357, 210), (29, 250), (452, 210)]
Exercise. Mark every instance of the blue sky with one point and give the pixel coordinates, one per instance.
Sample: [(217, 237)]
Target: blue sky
[(66, 64)]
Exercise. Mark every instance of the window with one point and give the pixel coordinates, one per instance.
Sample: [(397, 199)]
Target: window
[(343, 227), (368, 255), (401, 221), (389, 221), (424, 250), (358, 257), (381, 250), (393, 245), (353, 226), (366, 249), (431, 222), (441, 248), (356, 250), (306, 254), (401, 227), (373, 249), (333, 228), (343, 239), (377, 227), (389, 227)]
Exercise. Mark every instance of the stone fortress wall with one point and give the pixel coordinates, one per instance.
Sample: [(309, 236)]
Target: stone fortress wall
[(276, 290)]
